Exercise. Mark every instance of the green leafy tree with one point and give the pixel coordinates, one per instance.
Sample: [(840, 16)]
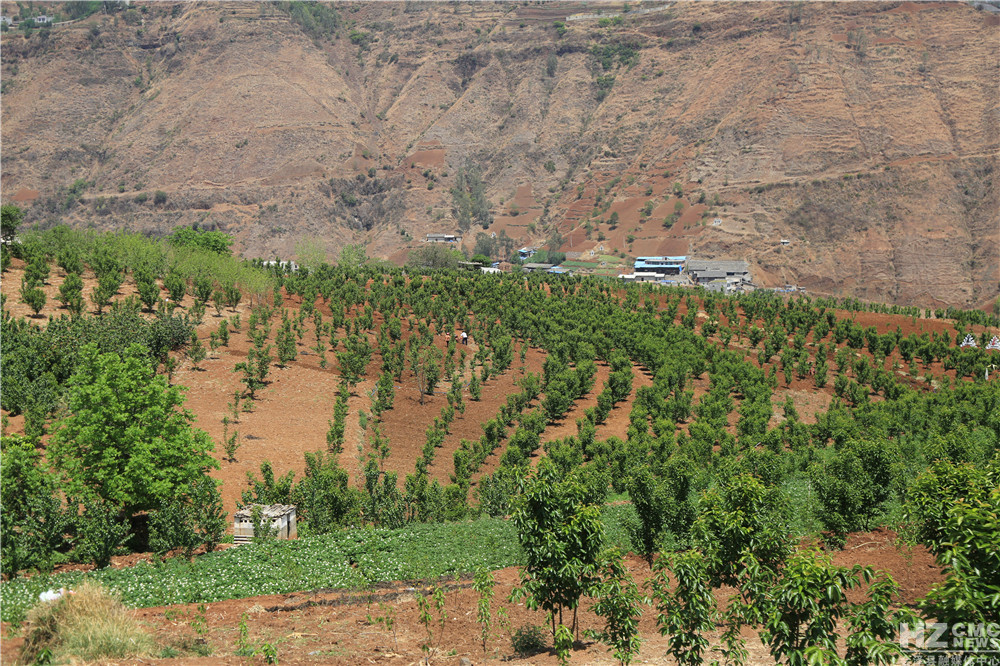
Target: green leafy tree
[(69, 260), (202, 289), (223, 333), (218, 301), (354, 359), (558, 399), (233, 294), (620, 604), (149, 291), (742, 518), (107, 286), (32, 296), (662, 503), (287, 351), (561, 538), (176, 286), (127, 438), (10, 220), (427, 370), (324, 495), (855, 485), (955, 508), (37, 270), (685, 614), (385, 388), (335, 435), (806, 605), (257, 364)]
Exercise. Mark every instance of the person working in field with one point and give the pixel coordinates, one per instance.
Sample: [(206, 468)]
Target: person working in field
[(465, 338)]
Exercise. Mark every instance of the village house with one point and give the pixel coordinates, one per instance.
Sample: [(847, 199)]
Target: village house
[(527, 252), (660, 265), (702, 271), (442, 238)]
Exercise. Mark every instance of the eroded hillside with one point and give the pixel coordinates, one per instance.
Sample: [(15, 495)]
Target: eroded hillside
[(864, 134)]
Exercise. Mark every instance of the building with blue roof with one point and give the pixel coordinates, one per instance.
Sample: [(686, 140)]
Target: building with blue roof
[(660, 265)]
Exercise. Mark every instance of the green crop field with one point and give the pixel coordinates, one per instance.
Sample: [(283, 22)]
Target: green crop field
[(351, 559)]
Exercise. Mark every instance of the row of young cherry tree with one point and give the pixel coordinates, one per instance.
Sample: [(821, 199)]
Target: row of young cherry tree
[(671, 464), (663, 407)]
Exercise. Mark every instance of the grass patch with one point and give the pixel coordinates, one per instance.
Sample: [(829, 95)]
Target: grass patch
[(89, 624)]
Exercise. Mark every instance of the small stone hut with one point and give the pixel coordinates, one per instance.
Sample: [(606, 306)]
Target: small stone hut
[(282, 521)]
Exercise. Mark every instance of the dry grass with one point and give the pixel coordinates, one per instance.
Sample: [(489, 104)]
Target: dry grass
[(89, 624)]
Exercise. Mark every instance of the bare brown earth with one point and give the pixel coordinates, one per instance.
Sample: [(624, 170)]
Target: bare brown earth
[(332, 627), (866, 134)]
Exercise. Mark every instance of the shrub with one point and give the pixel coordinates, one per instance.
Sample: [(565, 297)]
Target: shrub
[(71, 289), (159, 197), (87, 623), (528, 640), (171, 527), (176, 285), (33, 522), (69, 260), (102, 531), (210, 241), (33, 297)]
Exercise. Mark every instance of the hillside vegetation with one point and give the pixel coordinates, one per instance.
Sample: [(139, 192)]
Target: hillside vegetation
[(866, 134), (708, 435)]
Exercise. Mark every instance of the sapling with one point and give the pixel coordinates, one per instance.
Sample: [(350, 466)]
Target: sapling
[(425, 617), (483, 584), (196, 352), (439, 602), (388, 620), (620, 604), (230, 442)]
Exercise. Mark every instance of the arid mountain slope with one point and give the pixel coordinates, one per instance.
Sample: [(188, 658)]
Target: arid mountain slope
[(864, 134)]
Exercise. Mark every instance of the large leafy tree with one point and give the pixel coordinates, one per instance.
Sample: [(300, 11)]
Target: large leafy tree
[(10, 220), (203, 239), (955, 510), (128, 440)]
